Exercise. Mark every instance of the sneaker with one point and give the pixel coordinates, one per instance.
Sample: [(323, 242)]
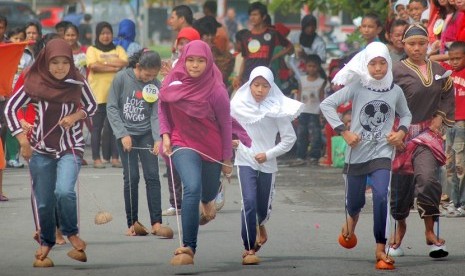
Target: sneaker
[(456, 213), (170, 212), (298, 162), (220, 199), (15, 164)]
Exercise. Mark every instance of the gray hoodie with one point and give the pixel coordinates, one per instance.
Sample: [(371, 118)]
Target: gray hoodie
[(127, 111)]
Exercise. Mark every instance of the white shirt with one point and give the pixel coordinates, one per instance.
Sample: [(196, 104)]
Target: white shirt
[(310, 94), (263, 135)]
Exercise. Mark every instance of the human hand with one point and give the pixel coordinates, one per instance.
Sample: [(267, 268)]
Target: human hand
[(260, 158), (26, 151), (436, 125), (127, 143), (156, 147), (351, 138), (68, 121), (167, 150), (25, 125), (395, 138), (227, 168), (235, 144)]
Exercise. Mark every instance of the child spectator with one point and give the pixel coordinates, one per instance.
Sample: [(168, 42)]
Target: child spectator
[(401, 9), (263, 110), (310, 94), (395, 46), (375, 100), (415, 9), (455, 137), (370, 28)]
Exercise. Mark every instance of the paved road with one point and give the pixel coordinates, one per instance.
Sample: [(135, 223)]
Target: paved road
[(307, 215)]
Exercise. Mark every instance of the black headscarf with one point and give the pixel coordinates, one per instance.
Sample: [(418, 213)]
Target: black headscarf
[(305, 39), (98, 30)]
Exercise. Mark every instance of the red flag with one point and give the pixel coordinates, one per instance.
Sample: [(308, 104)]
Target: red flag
[(10, 55)]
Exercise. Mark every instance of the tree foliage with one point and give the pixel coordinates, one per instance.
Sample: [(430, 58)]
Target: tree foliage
[(354, 7)]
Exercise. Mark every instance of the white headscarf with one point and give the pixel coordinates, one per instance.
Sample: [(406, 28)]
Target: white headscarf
[(401, 2), (357, 69), (246, 110)]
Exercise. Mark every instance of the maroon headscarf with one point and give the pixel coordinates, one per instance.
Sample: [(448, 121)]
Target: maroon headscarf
[(40, 84), (191, 95)]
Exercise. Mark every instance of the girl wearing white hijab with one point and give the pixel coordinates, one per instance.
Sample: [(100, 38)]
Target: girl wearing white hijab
[(263, 111), (375, 100)]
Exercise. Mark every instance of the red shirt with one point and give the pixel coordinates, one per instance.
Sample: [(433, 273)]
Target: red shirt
[(459, 85)]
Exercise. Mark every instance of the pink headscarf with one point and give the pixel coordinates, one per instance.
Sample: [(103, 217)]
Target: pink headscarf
[(191, 95)]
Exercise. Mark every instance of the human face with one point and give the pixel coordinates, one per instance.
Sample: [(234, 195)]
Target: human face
[(457, 59), (378, 68), (59, 67), (175, 22), (181, 43), (146, 74), (415, 9), (309, 30), (255, 18), (208, 38), (416, 48), (396, 37), (71, 36), (17, 37), (259, 88), (61, 32), (402, 12), (460, 4), (369, 29), (452, 2), (106, 36), (32, 33), (2, 31), (311, 68), (195, 66)]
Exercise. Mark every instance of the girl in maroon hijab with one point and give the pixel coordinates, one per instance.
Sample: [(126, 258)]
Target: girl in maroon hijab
[(194, 113)]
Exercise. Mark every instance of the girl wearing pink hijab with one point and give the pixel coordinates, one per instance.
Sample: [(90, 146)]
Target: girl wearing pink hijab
[(194, 115)]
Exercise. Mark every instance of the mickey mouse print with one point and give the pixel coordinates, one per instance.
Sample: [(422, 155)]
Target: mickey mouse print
[(373, 116)]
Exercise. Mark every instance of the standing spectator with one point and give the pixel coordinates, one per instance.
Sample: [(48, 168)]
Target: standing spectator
[(126, 37), (415, 9), (221, 39), (3, 26), (61, 26), (85, 31), (104, 59), (71, 35), (259, 44), (401, 10), (455, 139), (306, 42), (231, 24), (55, 150), (181, 17), (396, 46), (310, 94)]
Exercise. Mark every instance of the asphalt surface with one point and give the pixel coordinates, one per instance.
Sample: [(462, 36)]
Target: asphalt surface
[(308, 211)]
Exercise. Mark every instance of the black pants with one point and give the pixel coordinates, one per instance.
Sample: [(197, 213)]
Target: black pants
[(102, 135)]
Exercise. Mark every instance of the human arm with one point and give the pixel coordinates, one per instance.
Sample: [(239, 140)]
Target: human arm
[(155, 126), (396, 137), (287, 139), (221, 107), (288, 48), (446, 108), (13, 105)]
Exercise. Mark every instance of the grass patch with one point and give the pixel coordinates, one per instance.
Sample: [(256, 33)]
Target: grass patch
[(163, 50)]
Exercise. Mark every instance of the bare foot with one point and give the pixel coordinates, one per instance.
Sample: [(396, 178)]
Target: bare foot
[(42, 252), (131, 231), (77, 243), (348, 228), (262, 235), (59, 237), (396, 238), (431, 239), (380, 255)]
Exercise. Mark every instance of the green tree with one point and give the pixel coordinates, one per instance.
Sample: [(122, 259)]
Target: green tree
[(354, 7)]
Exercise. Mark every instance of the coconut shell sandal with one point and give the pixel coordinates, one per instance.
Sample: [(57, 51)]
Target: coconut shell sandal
[(163, 231), (384, 262), (249, 258), (183, 256), (41, 260)]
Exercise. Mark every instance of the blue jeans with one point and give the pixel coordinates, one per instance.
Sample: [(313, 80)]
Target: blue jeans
[(131, 178), (200, 181), (53, 187), (455, 152), (257, 194), (309, 123)]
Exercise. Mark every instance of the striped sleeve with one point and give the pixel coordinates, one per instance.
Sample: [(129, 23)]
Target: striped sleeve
[(17, 101), (88, 103)]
